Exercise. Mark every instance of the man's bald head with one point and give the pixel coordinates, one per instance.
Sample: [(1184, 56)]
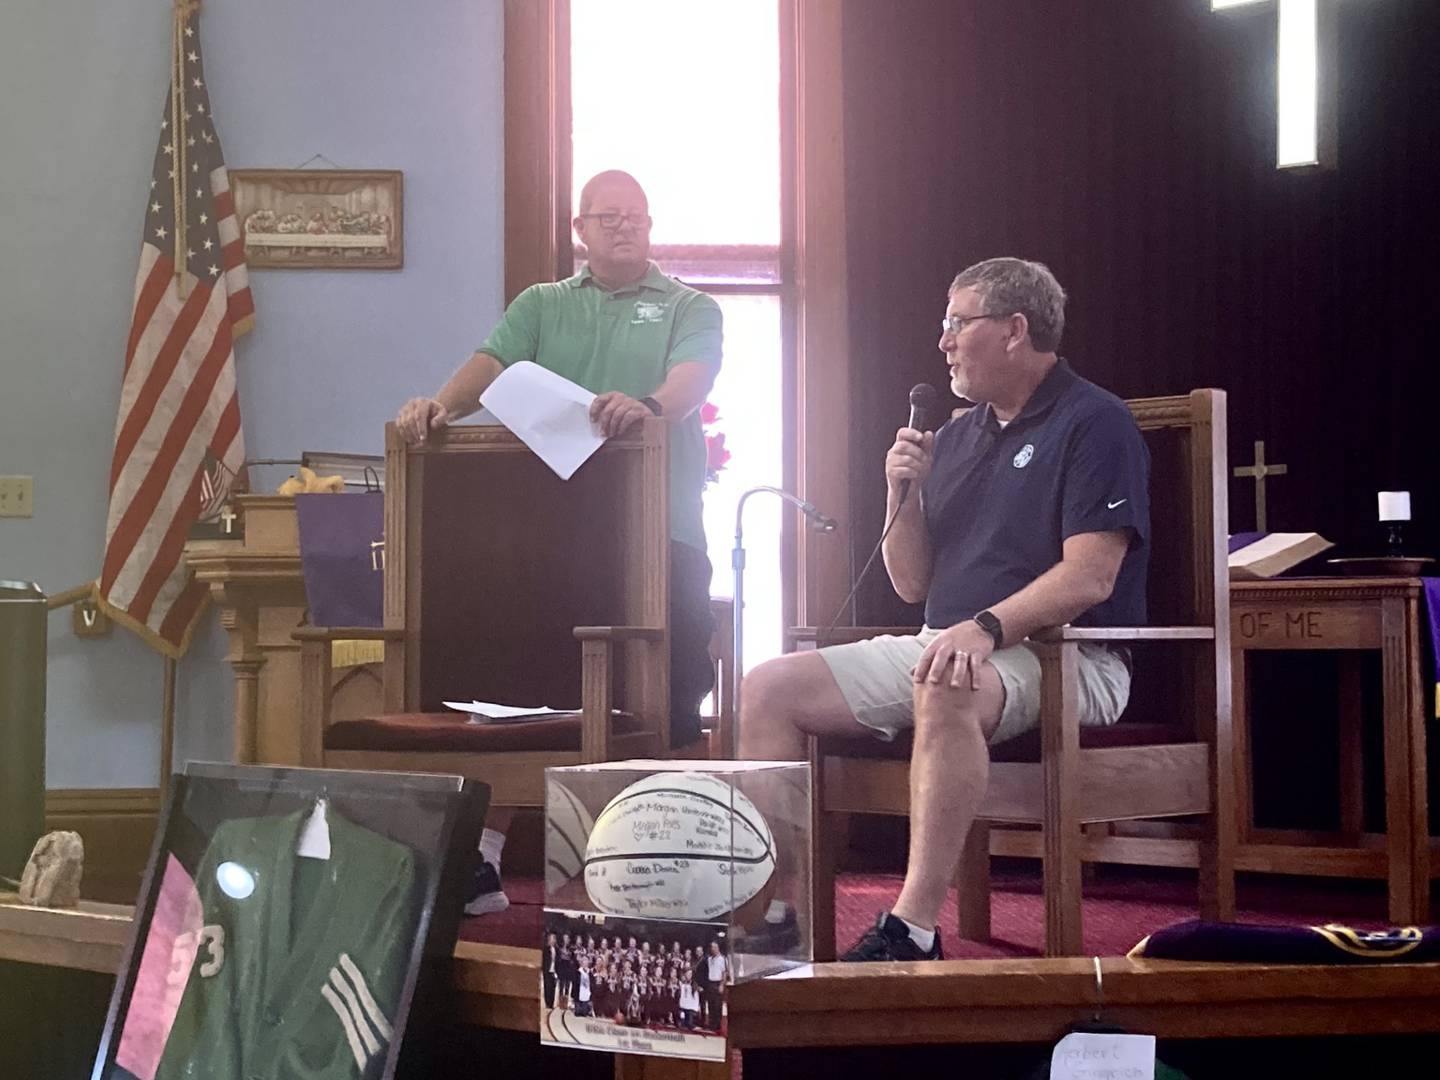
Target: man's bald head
[(610, 179)]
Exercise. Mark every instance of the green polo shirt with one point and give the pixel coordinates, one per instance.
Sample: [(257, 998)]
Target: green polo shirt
[(626, 340)]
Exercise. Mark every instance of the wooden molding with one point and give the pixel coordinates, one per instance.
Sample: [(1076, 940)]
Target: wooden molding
[(537, 142), (820, 297), (89, 802), (90, 937)]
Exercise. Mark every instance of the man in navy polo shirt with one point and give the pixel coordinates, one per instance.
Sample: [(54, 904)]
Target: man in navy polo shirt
[(1033, 511)]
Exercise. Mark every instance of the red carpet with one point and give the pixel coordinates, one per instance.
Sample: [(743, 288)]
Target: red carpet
[(1122, 905)]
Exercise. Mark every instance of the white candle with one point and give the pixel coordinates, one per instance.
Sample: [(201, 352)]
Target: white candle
[(1394, 506)]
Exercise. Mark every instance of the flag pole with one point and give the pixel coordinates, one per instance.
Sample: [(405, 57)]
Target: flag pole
[(167, 723), (179, 113), (178, 131)]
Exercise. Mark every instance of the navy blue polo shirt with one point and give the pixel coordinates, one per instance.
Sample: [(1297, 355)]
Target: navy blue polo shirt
[(1000, 502)]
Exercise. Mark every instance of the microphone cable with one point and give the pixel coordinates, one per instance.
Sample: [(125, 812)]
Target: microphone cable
[(835, 619), (923, 400)]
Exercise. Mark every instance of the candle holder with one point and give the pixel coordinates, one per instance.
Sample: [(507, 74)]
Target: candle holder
[(1394, 539), (1394, 513)]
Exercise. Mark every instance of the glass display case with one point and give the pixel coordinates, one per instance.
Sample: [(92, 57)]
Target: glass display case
[(284, 919), (665, 883)]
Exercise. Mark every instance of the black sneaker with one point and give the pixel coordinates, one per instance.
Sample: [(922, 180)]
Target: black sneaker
[(889, 939), (487, 894), (773, 937)]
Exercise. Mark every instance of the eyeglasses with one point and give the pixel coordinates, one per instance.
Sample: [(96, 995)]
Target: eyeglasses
[(953, 324), (612, 220)]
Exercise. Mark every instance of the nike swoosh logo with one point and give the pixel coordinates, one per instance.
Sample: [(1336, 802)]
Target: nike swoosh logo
[(1117, 502)]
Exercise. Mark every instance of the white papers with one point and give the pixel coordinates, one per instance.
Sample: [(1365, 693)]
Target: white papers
[(548, 413), (486, 712), (1093, 1056)]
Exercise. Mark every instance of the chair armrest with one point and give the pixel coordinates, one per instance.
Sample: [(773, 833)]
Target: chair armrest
[(1056, 634), (598, 646), (619, 633), (843, 635), (348, 633), (317, 655)]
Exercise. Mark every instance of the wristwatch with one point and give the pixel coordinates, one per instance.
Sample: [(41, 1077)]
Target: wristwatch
[(991, 625), (651, 404)]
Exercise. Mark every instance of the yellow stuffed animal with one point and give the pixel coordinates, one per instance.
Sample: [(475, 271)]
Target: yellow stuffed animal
[(307, 483)]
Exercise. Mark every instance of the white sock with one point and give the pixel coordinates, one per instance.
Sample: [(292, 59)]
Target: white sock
[(492, 843), (775, 913), (919, 935)]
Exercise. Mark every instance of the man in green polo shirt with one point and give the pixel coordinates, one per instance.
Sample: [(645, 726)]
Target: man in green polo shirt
[(647, 345)]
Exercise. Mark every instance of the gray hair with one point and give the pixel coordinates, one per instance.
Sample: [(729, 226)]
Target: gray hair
[(1016, 285)]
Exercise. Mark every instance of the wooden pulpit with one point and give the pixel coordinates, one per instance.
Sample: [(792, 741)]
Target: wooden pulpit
[(506, 584)]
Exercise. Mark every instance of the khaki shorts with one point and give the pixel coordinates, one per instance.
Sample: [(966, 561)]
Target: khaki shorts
[(874, 677)]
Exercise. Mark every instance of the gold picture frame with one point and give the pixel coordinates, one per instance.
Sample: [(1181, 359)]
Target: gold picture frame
[(320, 219)]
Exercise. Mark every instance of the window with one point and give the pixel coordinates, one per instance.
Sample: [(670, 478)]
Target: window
[(686, 97)]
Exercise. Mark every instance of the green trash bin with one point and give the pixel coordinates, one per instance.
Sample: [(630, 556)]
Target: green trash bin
[(22, 722)]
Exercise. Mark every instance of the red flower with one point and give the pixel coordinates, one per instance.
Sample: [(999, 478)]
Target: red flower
[(715, 453)]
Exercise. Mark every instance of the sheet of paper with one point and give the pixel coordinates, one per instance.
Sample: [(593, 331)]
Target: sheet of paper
[(503, 712), (315, 836), (491, 713), (548, 413), (1084, 1055), (496, 712)]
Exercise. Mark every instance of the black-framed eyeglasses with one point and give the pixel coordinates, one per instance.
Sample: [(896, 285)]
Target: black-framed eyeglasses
[(612, 220), (953, 324)]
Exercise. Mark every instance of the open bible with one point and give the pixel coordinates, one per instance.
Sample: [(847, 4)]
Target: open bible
[(1255, 555)]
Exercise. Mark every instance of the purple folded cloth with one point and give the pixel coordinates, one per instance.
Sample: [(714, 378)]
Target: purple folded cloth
[(1256, 944), (342, 557), (1432, 626)]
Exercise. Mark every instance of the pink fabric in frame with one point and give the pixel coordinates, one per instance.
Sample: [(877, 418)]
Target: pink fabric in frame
[(165, 962)]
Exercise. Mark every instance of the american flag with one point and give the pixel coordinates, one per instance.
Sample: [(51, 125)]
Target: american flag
[(178, 400)]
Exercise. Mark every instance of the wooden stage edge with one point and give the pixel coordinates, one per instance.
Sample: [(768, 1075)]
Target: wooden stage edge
[(950, 1002)]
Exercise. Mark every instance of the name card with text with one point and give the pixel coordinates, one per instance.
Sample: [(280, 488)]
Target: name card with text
[(1084, 1055)]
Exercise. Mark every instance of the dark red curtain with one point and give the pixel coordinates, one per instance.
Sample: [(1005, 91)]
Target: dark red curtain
[(1130, 145)]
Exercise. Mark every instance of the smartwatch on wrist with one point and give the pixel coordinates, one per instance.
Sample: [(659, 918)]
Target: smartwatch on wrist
[(651, 404), (991, 625)]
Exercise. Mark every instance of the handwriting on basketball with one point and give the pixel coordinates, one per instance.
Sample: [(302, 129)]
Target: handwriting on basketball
[(655, 828), (680, 845)]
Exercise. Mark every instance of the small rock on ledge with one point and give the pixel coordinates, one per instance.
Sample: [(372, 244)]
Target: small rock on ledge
[(52, 876)]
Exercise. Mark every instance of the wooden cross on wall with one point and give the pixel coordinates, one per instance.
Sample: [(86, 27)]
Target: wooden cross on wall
[(1305, 62), (1260, 470)]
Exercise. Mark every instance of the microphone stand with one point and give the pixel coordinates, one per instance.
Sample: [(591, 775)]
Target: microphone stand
[(820, 523)]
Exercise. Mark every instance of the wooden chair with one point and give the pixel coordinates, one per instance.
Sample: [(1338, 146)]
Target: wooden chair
[(504, 583), (1168, 756)]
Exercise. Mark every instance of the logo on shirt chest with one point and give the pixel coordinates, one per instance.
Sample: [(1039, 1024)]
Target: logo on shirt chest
[(1023, 457), (647, 311)]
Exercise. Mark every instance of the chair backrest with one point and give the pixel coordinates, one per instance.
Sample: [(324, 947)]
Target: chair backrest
[(492, 561), (1188, 582)]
